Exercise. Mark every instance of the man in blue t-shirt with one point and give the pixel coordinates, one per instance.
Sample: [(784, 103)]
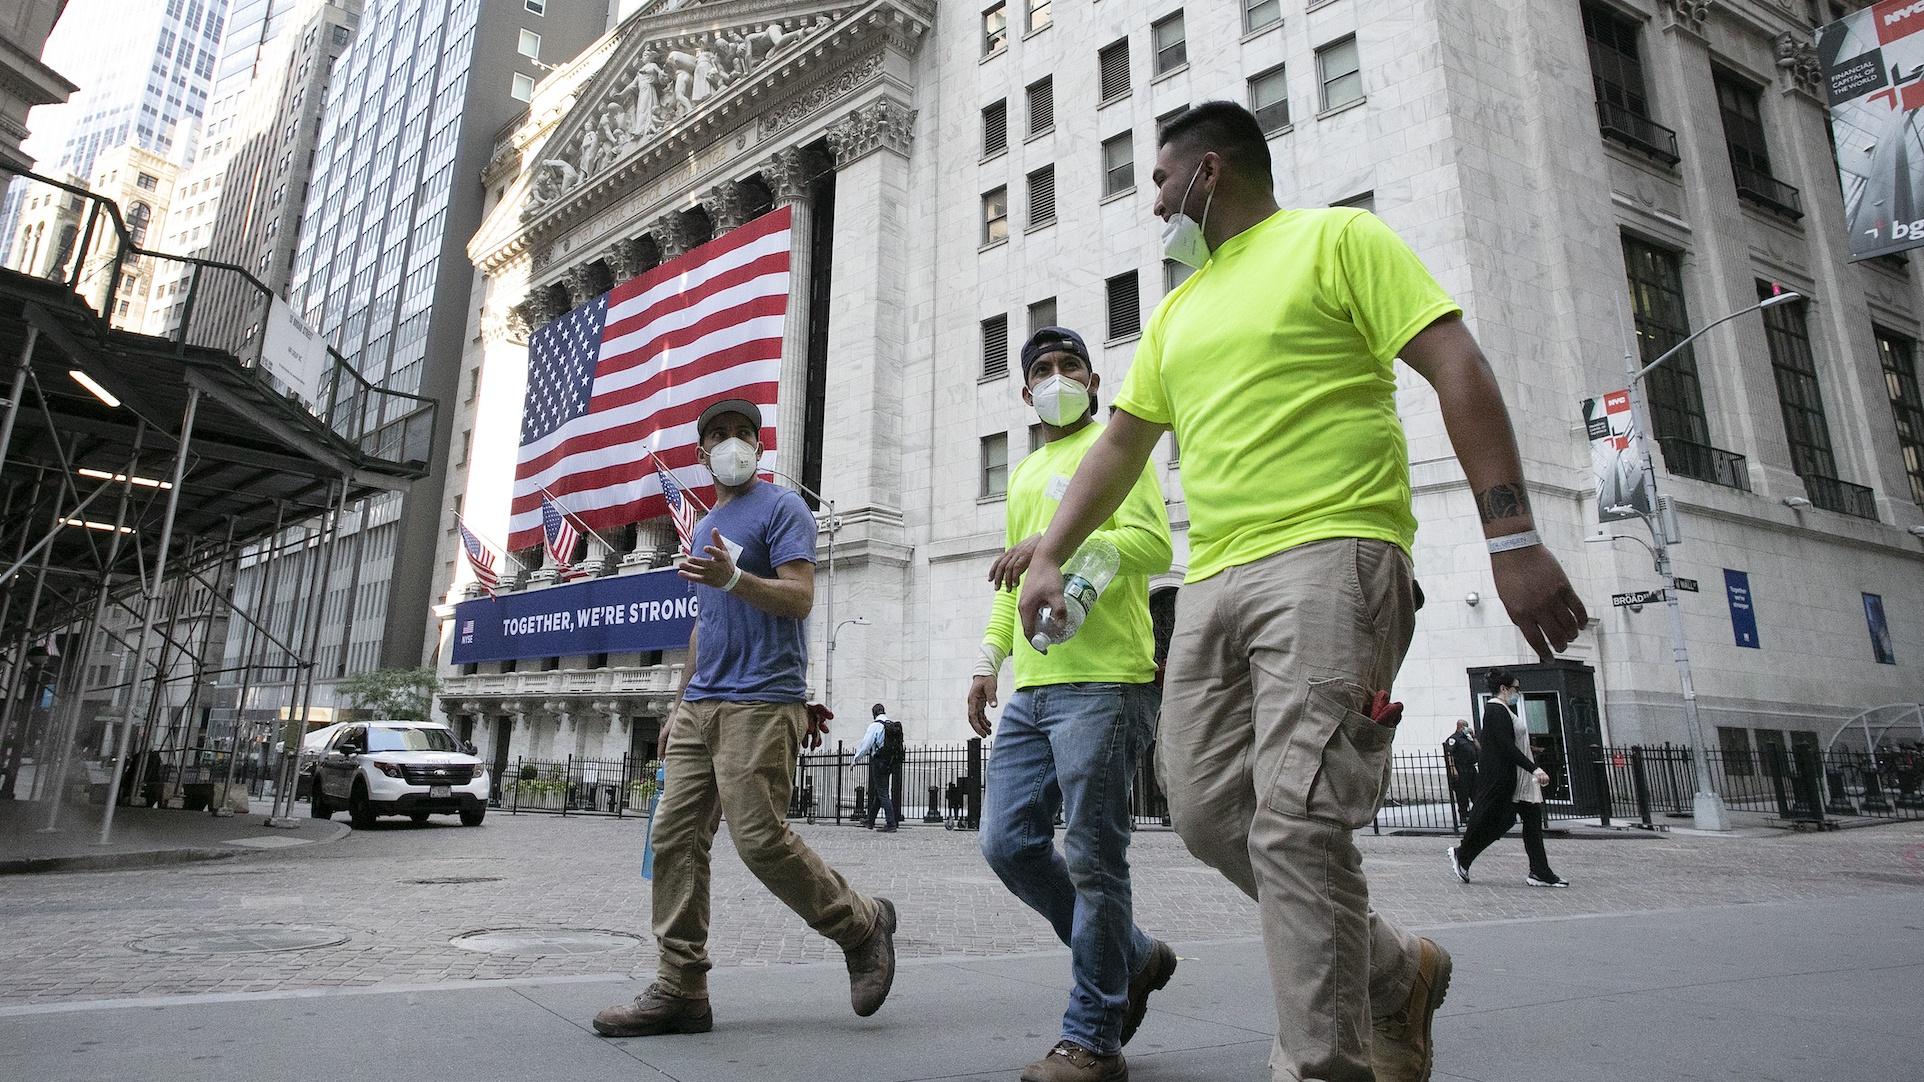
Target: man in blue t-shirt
[(731, 740)]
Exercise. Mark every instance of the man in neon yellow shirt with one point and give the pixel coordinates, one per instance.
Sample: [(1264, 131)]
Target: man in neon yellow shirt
[(1273, 365), (1071, 735)]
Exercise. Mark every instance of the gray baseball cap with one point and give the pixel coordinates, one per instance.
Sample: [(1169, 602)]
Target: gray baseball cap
[(728, 405)]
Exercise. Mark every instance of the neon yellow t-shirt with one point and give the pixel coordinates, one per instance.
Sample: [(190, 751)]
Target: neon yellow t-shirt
[(1273, 364), (1116, 643)]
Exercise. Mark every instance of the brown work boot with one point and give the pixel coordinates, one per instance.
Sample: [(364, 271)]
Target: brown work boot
[(656, 1011), (1156, 970), (1070, 1062), (1400, 1050), (871, 963)]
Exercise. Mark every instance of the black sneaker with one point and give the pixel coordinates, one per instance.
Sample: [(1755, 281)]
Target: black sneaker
[(1457, 866), (1554, 881)]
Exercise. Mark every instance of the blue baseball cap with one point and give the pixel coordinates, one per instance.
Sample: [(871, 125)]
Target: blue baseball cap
[(1052, 340)]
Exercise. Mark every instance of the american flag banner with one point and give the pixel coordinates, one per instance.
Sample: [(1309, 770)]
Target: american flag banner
[(561, 536), (681, 508), (630, 371), (481, 558)]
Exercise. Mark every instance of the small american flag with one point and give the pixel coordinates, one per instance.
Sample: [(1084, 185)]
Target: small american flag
[(681, 507), (561, 536), (627, 374), (481, 558)]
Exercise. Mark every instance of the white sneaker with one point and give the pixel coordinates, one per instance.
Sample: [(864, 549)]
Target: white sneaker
[(1553, 881), (1461, 872)]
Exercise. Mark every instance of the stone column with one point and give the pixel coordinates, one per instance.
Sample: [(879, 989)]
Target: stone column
[(581, 284), (787, 177), (651, 537), (539, 308), (671, 236), (625, 259), (726, 207)]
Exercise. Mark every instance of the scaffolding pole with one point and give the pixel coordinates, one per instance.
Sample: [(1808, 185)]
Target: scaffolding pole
[(250, 638), (25, 714), (17, 391), (77, 663), (122, 738), (337, 496)]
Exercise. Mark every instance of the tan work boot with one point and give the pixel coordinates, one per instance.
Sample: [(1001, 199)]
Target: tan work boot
[(656, 1011), (1400, 1049), (1156, 970), (1070, 1062), (871, 964)]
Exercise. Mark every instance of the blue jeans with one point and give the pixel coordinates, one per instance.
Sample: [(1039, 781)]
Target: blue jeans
[(1074, 746), (881, 795)]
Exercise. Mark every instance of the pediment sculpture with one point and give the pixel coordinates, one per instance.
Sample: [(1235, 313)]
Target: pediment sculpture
[(651, 92)]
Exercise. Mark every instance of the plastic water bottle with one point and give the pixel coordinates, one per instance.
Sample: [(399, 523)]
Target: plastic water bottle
[(1084, 577)]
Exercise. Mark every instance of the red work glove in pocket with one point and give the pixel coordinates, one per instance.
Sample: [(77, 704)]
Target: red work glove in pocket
[(1383, 711)]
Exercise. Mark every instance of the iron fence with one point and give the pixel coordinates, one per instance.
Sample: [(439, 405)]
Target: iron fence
[(576, 786)]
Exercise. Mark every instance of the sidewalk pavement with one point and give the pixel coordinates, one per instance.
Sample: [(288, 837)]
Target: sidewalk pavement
[(142, 836), (1811, 989)]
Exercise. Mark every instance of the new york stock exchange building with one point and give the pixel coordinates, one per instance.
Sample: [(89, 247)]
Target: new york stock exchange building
[(944, 178)]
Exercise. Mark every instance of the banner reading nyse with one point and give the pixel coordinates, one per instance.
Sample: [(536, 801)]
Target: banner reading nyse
[(1873, 64), (654, 610)]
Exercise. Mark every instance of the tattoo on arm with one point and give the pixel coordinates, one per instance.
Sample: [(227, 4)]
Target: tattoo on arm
[(1499, 502)]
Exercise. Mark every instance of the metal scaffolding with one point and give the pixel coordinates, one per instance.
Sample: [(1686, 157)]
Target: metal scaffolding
[(136, 474)]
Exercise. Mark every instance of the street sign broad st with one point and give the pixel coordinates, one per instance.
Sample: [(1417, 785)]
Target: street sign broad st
[(1639, 597)]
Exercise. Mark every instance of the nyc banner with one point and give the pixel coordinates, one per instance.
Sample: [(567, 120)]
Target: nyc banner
[(654, 610), (1873, 62), (1616, 458)]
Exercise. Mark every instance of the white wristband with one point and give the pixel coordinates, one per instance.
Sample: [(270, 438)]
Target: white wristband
[(1511, 542), (733, 580)]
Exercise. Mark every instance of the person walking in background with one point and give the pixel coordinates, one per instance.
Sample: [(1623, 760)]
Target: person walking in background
[(1070, 737), (881, 746), (730, 742), (1510, 787), (1274, 365), (1459, 759)]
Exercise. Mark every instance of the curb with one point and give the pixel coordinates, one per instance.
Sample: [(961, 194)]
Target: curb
[(150, 858)]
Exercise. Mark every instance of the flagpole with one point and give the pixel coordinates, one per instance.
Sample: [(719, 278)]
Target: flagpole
[(577, 519), (505, 554), (686, 492)]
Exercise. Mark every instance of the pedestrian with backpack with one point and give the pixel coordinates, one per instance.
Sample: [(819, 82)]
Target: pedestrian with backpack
[(882, 747)]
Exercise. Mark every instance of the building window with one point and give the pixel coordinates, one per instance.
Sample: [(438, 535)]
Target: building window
[(1163, 120), (995, 128), (1657, 305), (146, 182), (1798, 394), (1043, 314), (995, 216), (1340, 73), (530, 45), (538, 7), (523, 87), (995, 29), (1118, 164), (1037, 437), (1042, 196), (1742, 109), (995, 347), (1041, 14), (1616, 74), (1174, 274), (1113, 62), (1172, 48), (1042, 106), (1125, 306), (995, 465), (1258, 14), (1360, 201), (1269, 99), (1899, 357)]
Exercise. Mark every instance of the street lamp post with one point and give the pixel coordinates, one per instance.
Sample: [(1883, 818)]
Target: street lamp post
[(828, 671), (1708, 811)]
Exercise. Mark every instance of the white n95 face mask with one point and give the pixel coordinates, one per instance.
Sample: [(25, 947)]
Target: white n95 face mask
[(1060, 401), (732, 461), (1182, 236)]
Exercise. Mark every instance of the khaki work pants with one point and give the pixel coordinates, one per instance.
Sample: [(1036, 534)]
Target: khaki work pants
[(1270, 761), (737, 759)]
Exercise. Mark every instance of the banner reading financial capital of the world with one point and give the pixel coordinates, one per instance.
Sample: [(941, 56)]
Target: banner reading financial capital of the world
[(1873, 64), (654, 610)]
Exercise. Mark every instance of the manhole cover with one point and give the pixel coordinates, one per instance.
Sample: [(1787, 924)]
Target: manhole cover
[(249, 939), (542, 941), (448, 880)]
